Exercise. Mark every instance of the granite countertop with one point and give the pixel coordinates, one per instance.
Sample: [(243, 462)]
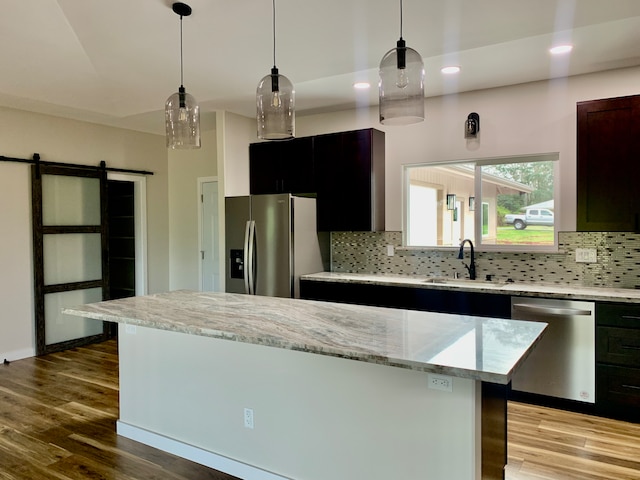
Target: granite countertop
[(484, 349), (548, 290)]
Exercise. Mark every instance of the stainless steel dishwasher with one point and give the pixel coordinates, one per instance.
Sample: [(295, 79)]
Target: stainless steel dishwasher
[(563, 363)]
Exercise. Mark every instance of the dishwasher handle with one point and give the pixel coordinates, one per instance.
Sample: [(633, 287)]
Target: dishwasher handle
[(548, 310)]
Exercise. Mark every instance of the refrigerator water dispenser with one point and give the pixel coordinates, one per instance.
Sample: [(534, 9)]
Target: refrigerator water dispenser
[(236, 263)]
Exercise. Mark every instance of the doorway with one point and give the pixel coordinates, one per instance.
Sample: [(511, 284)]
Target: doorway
[(127, 234), (122, 252), (209, 238)]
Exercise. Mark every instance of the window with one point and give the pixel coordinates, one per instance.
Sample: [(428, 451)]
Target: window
[(515, 196)]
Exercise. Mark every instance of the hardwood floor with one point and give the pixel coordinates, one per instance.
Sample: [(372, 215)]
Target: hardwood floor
[(550, 444), (58, 413), (57, 421)]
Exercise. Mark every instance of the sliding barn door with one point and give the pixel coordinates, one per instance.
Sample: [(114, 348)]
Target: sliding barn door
[(70, 245)]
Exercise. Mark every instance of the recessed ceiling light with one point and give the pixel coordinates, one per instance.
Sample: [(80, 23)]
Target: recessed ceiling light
[(450, 69), (361, 85), (560, 49)]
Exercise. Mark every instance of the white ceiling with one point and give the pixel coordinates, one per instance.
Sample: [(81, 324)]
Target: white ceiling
[(115, 62)]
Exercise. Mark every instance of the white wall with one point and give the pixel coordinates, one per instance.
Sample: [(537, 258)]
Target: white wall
[(316, 417), (234, 134), (21, 135), (185, 167), (17, 338), (523, 119)]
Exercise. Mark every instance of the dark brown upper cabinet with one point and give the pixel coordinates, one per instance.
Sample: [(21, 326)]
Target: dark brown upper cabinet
[(608, 165), (350, 180), (345, 171), (285, 166)]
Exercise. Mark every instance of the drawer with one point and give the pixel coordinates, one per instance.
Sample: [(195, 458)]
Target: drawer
[(618, 315), (619, 346), (618, 391)]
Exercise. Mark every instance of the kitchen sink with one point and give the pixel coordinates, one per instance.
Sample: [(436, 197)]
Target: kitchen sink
[(463, 282)]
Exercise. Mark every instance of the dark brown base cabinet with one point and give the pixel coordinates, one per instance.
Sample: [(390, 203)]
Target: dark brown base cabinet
[(608, 149), (424, 299), (618, 361)]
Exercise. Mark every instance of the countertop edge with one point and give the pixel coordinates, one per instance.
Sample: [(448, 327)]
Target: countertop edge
[(561, 291), (338, 352), (498, 378)]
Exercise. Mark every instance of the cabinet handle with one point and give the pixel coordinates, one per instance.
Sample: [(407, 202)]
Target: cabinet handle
[(630, 317), (630, 347), (632, 387)]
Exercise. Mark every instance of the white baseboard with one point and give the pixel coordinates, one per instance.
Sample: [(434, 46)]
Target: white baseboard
[(195, 454), (17, 354)]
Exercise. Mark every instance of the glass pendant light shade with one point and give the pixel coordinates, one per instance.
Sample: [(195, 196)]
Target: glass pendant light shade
[(181, 111), (401, 86), (182, 120), (275, 102)]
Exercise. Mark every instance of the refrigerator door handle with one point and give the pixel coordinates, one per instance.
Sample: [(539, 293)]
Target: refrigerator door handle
[(254, 259), (249, 258), (245, 249)]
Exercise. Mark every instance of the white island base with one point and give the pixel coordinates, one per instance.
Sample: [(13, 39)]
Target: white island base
[(316, 417), (337, 391)]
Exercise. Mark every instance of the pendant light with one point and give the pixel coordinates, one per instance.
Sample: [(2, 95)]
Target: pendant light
[(275, 101), (181, 112), (401, 84)]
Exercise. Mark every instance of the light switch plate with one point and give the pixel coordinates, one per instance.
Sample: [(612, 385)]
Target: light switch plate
[(586, 255)]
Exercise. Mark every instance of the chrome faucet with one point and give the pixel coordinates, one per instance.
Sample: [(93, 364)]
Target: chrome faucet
[(472, 265)]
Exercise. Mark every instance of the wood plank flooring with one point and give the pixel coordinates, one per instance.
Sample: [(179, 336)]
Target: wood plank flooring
[(550, 444), (57, 421), (58, 413)]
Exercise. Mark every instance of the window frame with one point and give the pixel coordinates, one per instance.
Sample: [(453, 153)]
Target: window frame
[(477, 237)]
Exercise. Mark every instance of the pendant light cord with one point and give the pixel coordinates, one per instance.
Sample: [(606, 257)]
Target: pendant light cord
[(400, 18), (181, 60), (274, 33)]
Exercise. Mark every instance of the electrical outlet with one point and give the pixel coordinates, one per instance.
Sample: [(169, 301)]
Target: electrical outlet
[(390, 251), (440, 382), (130, 329), (586, 255), (248, 418)]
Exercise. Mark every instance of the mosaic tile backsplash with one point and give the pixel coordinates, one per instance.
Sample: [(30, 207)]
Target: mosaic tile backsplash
[(618, 259)]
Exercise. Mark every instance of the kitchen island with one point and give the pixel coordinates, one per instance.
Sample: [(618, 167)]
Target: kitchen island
[(273, 388)]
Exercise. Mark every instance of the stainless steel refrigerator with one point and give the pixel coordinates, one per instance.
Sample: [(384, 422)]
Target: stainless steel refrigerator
[(270, 240)]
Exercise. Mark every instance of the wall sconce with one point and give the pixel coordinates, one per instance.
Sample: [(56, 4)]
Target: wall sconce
[(451, 201), (472, 204), (472, 125)]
